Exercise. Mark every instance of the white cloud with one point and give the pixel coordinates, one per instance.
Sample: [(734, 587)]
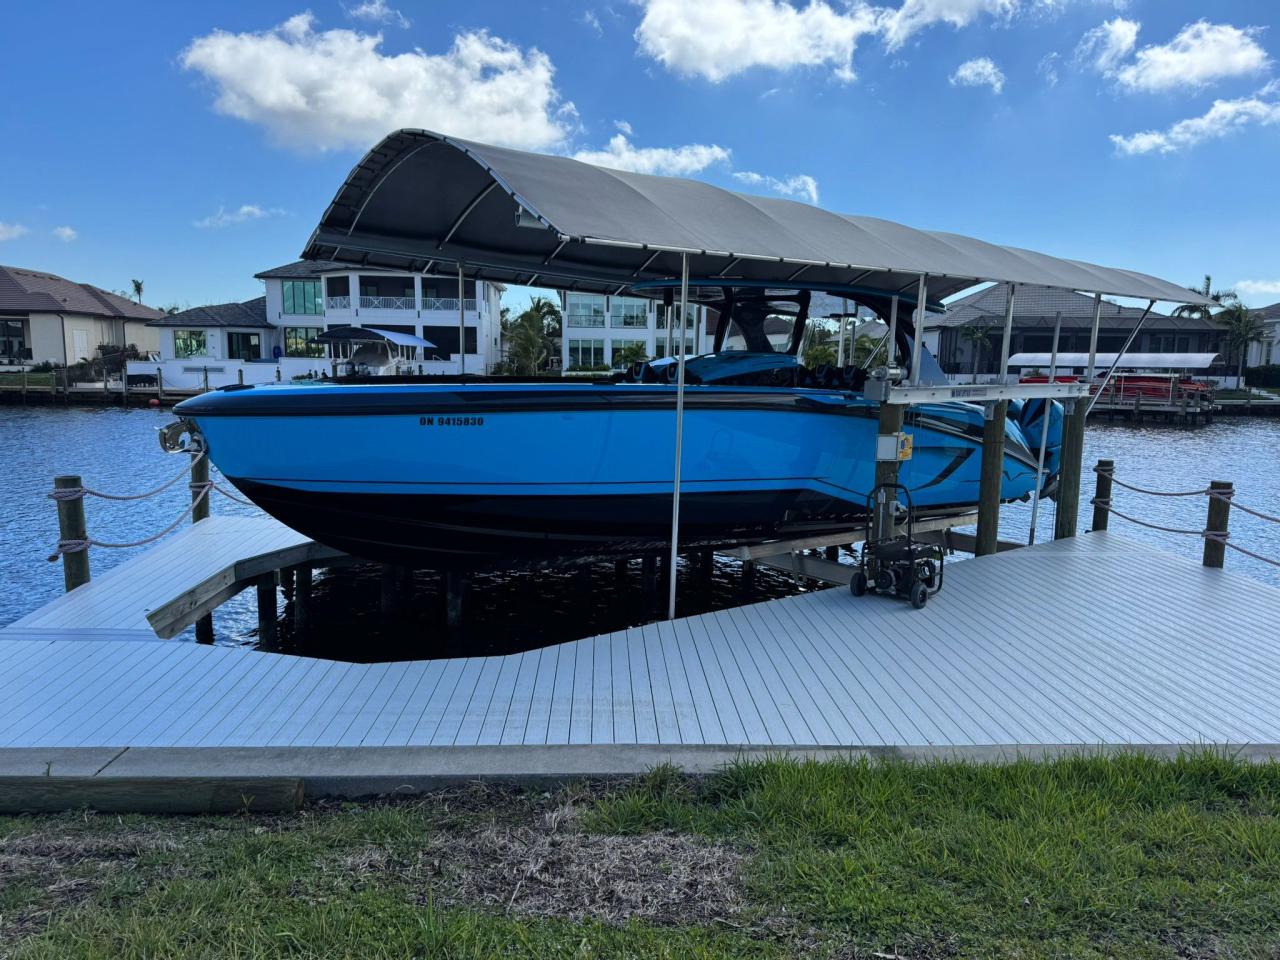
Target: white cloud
[(801, 185), (591, 20), (1224, 117), (716, 39), (1269, 288), (11, 231), (622, 154), (65, 234), (623, 126), (378, 12), (979, 72), (242, 214), (1200, 54), (1106, 46), (329, 89), (915, 15), (1048, 68)]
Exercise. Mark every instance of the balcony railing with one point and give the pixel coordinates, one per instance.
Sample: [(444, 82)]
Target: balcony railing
[(387, 303), (586, 319), (446, 303), (337, 303)]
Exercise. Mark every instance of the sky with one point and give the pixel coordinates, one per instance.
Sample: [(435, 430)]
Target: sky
[(193, 145)]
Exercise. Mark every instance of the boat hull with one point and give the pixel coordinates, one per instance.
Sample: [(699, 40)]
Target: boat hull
[(482, 476)]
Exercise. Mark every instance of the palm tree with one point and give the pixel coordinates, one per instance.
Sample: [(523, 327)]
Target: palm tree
[(1243, 328), (1202, 311), (819, 354), (978, 335), (632, 353), (137, 290)]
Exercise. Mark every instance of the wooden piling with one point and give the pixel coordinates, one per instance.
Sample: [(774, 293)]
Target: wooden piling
[(160, 384), (71, 526), (1219, 521), (649, 576), (990, 479), (748, 582), (1066, 517), (1102, 494), (266, 585), (302, 599), (891, 419), (199, 477)]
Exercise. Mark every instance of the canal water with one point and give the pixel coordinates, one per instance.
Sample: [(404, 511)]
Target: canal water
[(116, 450)]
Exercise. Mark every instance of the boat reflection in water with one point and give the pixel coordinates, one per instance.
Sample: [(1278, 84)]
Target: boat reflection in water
[(473, 473)]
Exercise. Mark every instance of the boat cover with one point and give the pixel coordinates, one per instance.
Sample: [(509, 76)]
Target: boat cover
[(425, 202), (1143, 361), (370, 335)]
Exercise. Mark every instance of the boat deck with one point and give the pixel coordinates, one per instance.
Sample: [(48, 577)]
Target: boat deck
[(1093, 641)]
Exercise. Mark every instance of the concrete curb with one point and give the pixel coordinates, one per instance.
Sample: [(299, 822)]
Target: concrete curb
[(366, 771)]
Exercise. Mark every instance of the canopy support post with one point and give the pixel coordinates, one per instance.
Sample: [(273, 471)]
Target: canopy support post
[(892, 416), (675, 499), (922, 292), (1133, 335), (991, 477), (1044, 431), (844, 321), (462, 322)]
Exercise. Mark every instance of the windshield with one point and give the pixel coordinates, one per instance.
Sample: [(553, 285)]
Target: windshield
[(762, 323)]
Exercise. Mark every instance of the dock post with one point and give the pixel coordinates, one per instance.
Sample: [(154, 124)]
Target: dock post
[(990, 478), (706, 567), (199, 482), (649, 577), (1215, 551), (1066, 518), (832, 553), (455, 587), (891, 418), (1102, 494), (24, 386), (748, 582), (159, 385), (75, 565), (267, 610), (301, 599)]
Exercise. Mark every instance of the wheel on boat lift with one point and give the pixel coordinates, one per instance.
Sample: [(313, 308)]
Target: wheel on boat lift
[(858, 585)]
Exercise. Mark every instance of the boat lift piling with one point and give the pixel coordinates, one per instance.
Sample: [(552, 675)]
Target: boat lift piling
[(675, 499), (995, 416), (1044, 433)]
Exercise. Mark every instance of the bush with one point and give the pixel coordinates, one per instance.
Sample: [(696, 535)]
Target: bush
[(1268, 376)]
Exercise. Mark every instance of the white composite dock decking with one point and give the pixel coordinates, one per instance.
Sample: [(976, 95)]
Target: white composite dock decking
[(1090, 641), (207, 562)]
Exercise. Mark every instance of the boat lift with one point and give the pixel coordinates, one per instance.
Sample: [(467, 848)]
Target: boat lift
[(515, 217)]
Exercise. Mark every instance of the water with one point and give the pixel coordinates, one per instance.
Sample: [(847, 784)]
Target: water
[(115, 450)]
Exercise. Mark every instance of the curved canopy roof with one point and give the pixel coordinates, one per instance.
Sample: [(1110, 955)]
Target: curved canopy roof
[(423, 201), (370, 335)]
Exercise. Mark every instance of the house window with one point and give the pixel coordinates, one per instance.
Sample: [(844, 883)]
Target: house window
[(691, 314), (189, 343), (629, 312), (445, 339), (302, 297), (620, 347), (244, 346), (586, 354), (297, 342), (660, 348), (13, 343), (585, 310)]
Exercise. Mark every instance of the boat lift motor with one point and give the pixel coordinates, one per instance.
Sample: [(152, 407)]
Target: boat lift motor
[(892, 561)]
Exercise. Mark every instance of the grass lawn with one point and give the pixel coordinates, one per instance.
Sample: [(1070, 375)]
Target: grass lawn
[(1084, 857), (34, 380)]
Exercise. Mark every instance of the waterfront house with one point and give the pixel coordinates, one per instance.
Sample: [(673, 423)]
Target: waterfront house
[(957, 335), (270, 338), (45, 318), (1267, 350), (599, 328)]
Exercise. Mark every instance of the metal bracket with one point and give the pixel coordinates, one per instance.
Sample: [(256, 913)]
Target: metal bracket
[(984, 393)]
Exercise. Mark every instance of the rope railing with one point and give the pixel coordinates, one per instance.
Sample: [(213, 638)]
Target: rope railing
[(76, 545), (1221, 497)]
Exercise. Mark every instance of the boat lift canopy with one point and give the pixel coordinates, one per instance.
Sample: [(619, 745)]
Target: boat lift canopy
[(371, 335), (1136, 361)]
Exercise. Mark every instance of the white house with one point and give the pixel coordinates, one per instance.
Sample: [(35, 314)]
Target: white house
[(598, 328), (268, 339), (47, 318), (1267, 350)]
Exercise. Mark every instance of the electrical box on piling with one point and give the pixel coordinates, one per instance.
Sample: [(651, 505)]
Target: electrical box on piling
[(893, 447)]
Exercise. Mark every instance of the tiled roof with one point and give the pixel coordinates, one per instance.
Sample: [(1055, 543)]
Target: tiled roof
[(1268, 313), (1039, 306), (26, 291), (304, 270), (251, 313)]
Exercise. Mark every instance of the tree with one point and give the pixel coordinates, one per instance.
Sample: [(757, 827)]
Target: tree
[(1203, 311), (1243, 328), (632, 353), (137, 290), (820, 354), (978, 336)]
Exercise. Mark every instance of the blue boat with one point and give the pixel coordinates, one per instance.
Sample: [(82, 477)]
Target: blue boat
[(476, 472)]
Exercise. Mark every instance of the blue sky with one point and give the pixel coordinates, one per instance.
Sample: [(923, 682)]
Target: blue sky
[(191, 145)]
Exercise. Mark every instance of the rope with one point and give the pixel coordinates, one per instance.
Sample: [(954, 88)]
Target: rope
[(1207, 534), (76, 546), (79, 493), (231, 496), (1111, 475), (1248, 553), (1226, 496)]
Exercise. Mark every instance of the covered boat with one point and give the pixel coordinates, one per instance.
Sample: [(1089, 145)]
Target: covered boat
[(469, 472)]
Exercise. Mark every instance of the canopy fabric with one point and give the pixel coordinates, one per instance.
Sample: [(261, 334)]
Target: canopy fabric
[(1140, 361), (424, 202), (370, 335)]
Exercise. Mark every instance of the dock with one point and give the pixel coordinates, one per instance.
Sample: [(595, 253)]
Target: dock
[(1087, 643)]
